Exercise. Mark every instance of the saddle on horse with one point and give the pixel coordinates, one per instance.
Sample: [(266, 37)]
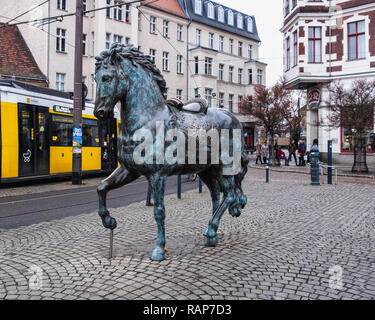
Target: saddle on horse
[(197, 105)]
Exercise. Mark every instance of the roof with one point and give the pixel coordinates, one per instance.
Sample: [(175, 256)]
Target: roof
[(16, 58), (171, 6), (188, 6)]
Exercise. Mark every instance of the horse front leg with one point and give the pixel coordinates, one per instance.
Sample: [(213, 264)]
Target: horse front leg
[(157, 183), (227, 186), (117, 179)]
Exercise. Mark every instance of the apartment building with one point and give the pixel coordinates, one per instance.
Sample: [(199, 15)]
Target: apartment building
[(328, 42), (202, 48)]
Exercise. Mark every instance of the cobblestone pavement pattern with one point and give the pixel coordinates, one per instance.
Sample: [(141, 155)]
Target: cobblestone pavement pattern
[(291, 242)]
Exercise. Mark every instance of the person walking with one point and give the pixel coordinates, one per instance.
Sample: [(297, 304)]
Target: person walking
[(292, 151), (302, 152), (265, 152), (258, 153)]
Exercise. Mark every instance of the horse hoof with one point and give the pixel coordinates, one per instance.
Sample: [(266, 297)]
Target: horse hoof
[(211, 241), (158, 254), (109, 223), (210, 232)]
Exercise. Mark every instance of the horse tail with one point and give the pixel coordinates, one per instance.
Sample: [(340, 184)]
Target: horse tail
[(240, 198)]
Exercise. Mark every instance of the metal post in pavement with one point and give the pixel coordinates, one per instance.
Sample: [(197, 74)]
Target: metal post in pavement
[(110, 244), (179, 186), (329, 162), (200, 186), (267, 172), (148, 199)]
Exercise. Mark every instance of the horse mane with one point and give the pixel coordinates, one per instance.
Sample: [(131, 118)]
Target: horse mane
[(119, 52)]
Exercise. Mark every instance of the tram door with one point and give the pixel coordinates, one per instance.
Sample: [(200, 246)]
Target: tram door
[(108, 143), (33, 140)]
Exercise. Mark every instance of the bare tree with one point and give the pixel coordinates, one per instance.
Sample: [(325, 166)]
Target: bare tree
[(354, 109), (269, 106)]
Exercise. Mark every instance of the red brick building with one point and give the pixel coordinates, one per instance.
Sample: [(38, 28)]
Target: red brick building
[(328, 41), (16, 60)]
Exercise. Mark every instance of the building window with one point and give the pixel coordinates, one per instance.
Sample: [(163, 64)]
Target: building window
[(231, 46), (239, 101), (230, 78), (196, 65), (211, 40), (250, 25), (93, 43), (356, 40), (221, 14), (153, 55), (60, 81), (250, 76), (348, 137), (165, 28), (295, 48), (230, 18), (240, 76), (117, 38), (196, 93), (315, 44), (108, 10), (208, 96), (260, 76), (198, 37), (152, 25), (84, 44), (239, 21), (288, 53), (230, 102), (92, 87), (179, 94), (84, 3), (179, 64), (165, 61), (179, 32), (198, 6), (60, 39), (107, 40), (221, 100), (61, 4), (221, 72), (117, 12), (221, 43), (240, 48), (208, 66), (250, 51), (210, 11), (127, 41), (127, 13)]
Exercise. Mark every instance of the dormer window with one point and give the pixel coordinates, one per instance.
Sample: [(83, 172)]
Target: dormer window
[(230, 18), (250, 25), (221, 14), (210, 11), (198, 6), (239, 21)]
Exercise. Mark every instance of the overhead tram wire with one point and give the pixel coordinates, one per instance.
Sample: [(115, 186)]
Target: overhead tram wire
[(26, 12), (54, 18)]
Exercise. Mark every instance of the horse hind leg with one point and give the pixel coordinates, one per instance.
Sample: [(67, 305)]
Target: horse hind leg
[(117, 179)]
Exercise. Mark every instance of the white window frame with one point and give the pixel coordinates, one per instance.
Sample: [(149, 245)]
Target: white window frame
[(250, 25), (108, 10), (198, 6), (260, 76), (60, 40), (221, 72), (211, 40), (239, 21), (210, 11), (198, 36), (84, 47), (208, 96), (179, 32), (179, 94), (250, 51), (179, 64), (220, 15), (117, 38), (165, 28), (93, 44), (107, 40), (208, 66), (153, 55), (60, 81), (117, 12), (61, 4), (152, 24), (230, 18), (221, 43), (165, 61)]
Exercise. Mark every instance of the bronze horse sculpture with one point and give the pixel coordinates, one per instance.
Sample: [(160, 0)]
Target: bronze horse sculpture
[(124, 74)]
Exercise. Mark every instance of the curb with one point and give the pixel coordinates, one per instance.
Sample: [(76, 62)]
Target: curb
[(296, 171)]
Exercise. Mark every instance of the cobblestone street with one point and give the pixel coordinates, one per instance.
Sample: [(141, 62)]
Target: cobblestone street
[(292, 241)]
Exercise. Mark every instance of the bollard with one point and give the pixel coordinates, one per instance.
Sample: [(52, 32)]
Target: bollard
[(314, 167), (148, 199), (179, 186), (200, 186), (267, 173), (329, 162)]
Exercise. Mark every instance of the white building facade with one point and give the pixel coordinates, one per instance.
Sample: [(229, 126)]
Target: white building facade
[(329, 42), (202, 48)]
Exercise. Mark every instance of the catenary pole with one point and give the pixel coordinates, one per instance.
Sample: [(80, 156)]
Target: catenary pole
[(77, 121)]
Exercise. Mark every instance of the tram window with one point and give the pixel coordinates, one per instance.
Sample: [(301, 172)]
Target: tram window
[(90, 133), (62, 131)]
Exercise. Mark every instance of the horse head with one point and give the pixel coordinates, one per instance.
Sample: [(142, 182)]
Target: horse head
[(111, 82)]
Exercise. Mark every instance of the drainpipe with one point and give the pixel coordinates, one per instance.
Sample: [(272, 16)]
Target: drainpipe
[(48, 41)]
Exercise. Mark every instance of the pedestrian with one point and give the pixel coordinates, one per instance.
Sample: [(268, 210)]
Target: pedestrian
[(258, 153), (292, 151), (265, 152), (302, 153), (279, 156), (277, 153)]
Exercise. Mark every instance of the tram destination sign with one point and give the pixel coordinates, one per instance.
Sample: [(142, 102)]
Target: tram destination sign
[(62, 109)]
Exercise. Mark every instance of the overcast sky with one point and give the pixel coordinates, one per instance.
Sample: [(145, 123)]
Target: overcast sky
[(269, 18)]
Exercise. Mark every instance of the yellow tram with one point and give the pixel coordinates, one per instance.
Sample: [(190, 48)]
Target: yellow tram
[(36, 128)]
